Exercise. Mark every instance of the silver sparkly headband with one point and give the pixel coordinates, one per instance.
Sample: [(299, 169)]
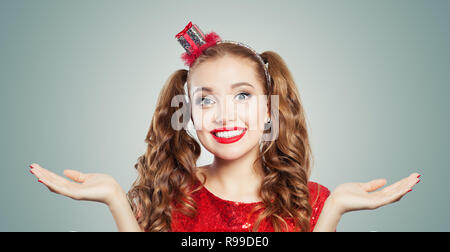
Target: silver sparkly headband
[(193, 40), (260, 59)]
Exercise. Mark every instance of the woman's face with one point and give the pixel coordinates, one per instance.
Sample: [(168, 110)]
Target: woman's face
[(229, 106)]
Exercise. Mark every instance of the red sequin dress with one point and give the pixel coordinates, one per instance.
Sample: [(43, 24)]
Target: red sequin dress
[(218, 215)]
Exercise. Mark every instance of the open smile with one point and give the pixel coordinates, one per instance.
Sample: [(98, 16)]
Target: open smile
[(228, 135)]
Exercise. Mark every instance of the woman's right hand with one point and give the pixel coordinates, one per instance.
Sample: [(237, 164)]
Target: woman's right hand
[(87, 186)]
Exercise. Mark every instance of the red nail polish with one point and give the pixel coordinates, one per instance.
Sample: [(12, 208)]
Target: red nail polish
[(31, 172), (418, 182), (40, 181), (419, 176), (409, 190), (31, 166)]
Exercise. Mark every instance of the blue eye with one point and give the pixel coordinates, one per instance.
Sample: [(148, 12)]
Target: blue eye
[(243, 96), (201, 101)]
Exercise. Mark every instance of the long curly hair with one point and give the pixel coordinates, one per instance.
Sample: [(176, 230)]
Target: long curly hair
[(166, 172)]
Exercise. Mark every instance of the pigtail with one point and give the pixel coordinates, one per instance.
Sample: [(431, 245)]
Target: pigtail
[(286, 159), (166, 172)]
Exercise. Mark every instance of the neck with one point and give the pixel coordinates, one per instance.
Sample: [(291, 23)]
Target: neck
[(240, 177)]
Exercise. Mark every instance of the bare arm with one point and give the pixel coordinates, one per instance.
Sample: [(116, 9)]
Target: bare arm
[(329, 217), (123, 214)]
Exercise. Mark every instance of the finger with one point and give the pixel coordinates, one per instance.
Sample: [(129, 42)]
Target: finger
[(66, 190), (37, 169), (50, 186), (38, 172), (373, 185), (75, 175), (44, 180), (391, 197), (403, 185), (413, 179), (46, 172), (396, 191), (54, 178), (53, 182)]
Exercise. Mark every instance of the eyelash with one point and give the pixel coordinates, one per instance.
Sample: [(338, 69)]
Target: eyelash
[(199, 100), (246, 94)]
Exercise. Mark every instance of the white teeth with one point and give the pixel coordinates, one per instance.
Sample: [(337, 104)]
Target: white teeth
[(228, 134)]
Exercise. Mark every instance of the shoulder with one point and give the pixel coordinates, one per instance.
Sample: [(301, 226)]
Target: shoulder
[(317, 193), (313, 186)]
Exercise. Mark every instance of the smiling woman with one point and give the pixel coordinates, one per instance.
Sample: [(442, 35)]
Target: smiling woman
[(254, 183), (225, 82)]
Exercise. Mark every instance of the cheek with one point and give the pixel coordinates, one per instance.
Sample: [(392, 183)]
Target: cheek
[(254, 113), (202, 118)]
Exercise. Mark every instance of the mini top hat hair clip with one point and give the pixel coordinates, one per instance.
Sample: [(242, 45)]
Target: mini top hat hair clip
[(194, 41)]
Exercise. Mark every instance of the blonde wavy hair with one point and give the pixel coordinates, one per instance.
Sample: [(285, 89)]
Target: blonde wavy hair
[(167, 171)]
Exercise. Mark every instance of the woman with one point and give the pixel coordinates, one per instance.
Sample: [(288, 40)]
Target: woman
[(247, 112)]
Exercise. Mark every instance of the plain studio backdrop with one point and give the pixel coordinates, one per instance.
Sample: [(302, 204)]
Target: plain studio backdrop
[(80, 79)]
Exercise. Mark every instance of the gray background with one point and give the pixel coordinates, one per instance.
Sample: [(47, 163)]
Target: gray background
[(79, 82)]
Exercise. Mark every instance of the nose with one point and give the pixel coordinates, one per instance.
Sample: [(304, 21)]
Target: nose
[(227, 112)]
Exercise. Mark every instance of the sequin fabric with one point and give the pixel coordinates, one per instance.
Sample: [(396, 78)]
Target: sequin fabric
[(218, 215)]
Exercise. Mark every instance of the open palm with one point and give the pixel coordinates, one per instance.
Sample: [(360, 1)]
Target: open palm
[(85, 186), (361, 196)]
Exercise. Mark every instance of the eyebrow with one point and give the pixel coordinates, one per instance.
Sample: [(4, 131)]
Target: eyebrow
[(235, 85)]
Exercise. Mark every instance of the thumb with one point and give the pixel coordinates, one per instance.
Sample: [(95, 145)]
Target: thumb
[(373, 185), (75, 175)]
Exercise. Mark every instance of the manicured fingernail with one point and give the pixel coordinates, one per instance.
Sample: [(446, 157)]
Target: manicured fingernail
[(409, 190), (418, 182), (31, 166), (419, 176), (31, 172), (40, 181)]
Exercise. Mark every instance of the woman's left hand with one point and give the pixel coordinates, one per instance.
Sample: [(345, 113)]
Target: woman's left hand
[(360, 196)]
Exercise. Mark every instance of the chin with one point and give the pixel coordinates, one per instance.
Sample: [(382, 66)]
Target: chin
[(229, 154), (231, 151)]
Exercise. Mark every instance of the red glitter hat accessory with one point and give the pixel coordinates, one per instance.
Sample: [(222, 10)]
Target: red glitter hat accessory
[(193, 40)]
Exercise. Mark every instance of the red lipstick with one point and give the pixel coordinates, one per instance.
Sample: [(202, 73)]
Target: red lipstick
[(229, 140)]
